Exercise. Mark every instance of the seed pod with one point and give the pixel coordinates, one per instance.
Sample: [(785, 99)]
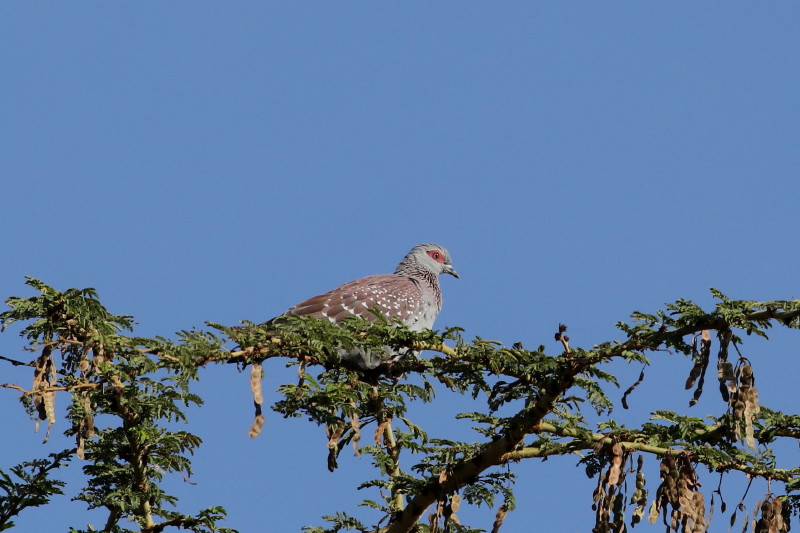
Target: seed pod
[(381, 429), (455, 502), (255, 429), (256, 373), (499, 518), (746, 375), (355, 427), (653, 515)]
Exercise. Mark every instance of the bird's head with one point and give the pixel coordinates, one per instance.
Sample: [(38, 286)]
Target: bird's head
[(429, 257)]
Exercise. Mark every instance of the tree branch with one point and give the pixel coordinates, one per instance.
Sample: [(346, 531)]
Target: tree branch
[(467, 470), (25, 392), (594, 438)]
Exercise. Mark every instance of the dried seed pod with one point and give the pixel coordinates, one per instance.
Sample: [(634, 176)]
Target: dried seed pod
[(725, 371), (694, 373), (684, 493), (614, 473), (725, 377), (746, 375), (355, 427), (334, 432), (499, 518), (639, 497), (98, 355), (606, 499), (49, 400), (752, 399), (301, 368), (654, 510), (380, 430), (88, 419), (700, 509), (455, 502), (255, 429), (256, 374), (80, 450), (675, 519)]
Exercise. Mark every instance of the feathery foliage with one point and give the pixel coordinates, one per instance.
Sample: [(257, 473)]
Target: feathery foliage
[(533, 408)]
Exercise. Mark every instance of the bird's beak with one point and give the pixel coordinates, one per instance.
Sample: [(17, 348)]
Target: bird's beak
[(450, 270)]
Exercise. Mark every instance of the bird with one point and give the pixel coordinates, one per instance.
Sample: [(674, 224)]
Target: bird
[(411, 295)]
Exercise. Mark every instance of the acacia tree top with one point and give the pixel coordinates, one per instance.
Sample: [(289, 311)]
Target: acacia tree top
[(80, 352)]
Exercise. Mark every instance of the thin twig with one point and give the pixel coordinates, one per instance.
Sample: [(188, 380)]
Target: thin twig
[(42, 390), (16, 362)]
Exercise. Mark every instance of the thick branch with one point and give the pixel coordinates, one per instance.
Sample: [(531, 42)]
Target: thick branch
[(466, 471)]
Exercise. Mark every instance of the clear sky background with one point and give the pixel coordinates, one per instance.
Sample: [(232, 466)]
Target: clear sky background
[(222, 161)]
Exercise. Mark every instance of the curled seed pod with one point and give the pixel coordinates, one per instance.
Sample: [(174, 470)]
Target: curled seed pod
[(255, 429), (499, 518)]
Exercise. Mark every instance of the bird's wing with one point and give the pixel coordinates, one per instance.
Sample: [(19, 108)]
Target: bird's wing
[(395, 296)]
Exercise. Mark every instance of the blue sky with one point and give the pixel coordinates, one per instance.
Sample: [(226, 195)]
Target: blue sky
[(222, 161)]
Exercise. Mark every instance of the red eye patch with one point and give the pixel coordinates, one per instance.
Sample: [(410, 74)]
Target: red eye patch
[(436, 255)]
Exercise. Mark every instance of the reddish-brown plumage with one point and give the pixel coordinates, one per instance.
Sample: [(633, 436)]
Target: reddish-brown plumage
[(394, 295), (411, 295)]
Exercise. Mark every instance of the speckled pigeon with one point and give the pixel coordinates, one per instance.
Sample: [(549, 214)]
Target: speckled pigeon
[(411, 294)]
